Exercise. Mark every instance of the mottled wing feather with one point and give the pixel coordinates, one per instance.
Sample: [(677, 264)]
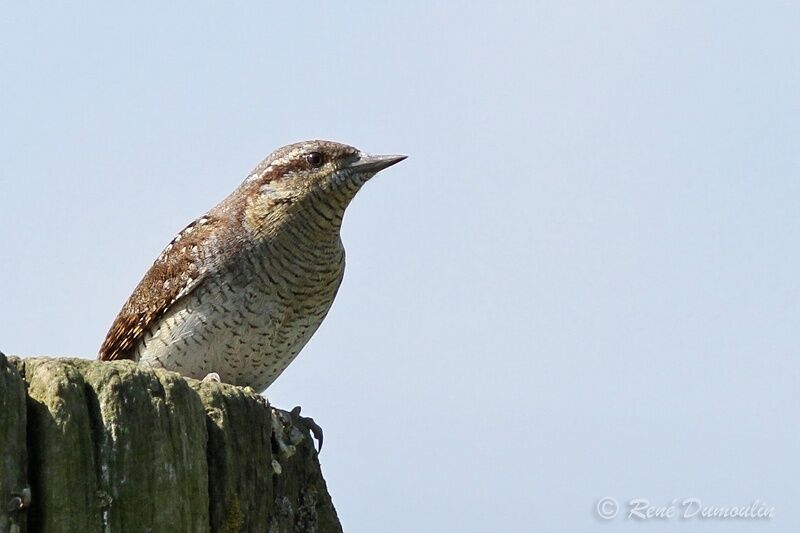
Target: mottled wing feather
[(183, 264)]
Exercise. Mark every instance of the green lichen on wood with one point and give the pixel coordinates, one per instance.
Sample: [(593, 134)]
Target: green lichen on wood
[(247, 493), (61, 448), (302, 499), (151, 438), (239, 436), (115, 447)]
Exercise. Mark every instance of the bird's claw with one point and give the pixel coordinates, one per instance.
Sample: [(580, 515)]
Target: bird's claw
[(304, 422), (308, 423)]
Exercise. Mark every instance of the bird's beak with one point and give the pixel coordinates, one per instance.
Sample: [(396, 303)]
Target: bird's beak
[(375, 163)]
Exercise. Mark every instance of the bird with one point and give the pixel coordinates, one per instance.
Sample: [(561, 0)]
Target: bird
[(240, 290)]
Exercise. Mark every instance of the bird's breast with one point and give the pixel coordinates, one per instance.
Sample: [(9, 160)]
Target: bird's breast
[(249, 320)]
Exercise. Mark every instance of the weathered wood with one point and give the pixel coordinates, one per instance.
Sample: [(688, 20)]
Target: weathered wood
[(115, 447), (61, 448), (240, 458), (12, 444)]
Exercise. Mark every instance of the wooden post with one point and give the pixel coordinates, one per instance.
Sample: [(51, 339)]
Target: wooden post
[(104, 447)]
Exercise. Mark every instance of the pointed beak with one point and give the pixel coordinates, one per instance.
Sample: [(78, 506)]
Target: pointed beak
[(375, 163)]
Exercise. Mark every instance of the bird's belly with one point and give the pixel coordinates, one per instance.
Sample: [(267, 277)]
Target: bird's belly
[(246, 334)]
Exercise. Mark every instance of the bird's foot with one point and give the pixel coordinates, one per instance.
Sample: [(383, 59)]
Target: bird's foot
[(212, 377), (304, 422)]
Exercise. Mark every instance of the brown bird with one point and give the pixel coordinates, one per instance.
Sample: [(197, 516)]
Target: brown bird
[(238, 293)]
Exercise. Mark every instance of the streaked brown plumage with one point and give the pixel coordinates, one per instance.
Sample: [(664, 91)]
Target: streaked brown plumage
[(241, 289)]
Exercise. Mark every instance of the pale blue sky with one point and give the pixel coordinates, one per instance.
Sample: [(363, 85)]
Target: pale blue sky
[(582, 283)]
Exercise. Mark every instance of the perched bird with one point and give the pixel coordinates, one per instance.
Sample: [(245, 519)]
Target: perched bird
[(239, 292)]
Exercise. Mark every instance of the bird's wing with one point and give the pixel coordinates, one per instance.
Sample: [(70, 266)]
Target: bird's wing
[(185, 262)]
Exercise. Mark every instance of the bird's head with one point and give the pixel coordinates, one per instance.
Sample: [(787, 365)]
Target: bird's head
[(308, 179)]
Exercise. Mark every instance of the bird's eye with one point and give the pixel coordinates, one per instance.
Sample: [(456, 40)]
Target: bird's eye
[(315, 159)]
